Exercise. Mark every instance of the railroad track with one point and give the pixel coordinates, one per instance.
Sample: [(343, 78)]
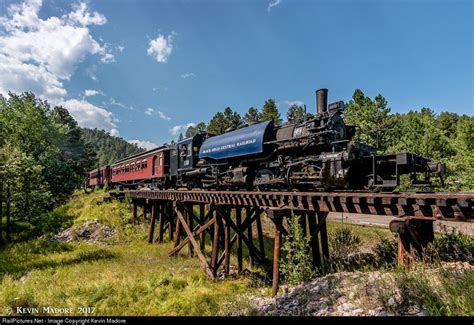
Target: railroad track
[(454, 206)]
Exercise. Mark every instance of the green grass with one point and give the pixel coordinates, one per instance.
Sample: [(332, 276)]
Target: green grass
[(126, 276), (440, 292)]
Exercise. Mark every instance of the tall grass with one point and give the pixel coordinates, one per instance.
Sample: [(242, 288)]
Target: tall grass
[(126, 276)]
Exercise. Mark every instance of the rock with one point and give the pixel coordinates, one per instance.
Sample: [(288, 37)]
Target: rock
[(341, 300), (315, 289), (352, 295), (391, 302), (91, 230), (357, 312), (347, 306), (382, 313), (413, 310)]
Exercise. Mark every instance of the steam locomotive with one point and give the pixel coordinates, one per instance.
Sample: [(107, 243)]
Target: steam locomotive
[(317, 153)]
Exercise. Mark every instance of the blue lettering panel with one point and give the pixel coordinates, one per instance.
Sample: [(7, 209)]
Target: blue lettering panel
[(241, 142)]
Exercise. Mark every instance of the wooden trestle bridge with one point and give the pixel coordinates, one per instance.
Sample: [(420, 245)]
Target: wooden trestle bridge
[(187, 216)]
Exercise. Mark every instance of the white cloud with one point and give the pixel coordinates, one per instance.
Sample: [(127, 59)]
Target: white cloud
[(92, 92), (120, 48), (112, 101), (90, 116), (151, 111), (143, 144), (163, 116), (161, 47), (177, 129), (83, 17), (160, 89), (40, 54), (188, 75), (294, 102), (108, 58), (273, 4)]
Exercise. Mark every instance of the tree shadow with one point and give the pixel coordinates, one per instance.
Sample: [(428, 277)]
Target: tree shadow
[(11, 265)]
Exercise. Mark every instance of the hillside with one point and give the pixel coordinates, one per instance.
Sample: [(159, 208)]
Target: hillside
[(103, 261), (108, 147)]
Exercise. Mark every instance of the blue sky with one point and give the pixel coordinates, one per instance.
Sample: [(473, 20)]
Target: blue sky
[(153, 67)]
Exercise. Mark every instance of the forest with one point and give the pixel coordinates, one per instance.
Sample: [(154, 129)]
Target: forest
[(44, 154)]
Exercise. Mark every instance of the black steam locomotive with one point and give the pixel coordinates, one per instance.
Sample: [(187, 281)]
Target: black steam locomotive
[(316, 154)]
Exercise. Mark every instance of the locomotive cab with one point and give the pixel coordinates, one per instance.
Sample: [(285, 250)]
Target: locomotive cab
[(184, 158)]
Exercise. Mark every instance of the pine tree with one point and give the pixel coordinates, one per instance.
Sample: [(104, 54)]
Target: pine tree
[(270, 112), (252, 116), (295, 113)]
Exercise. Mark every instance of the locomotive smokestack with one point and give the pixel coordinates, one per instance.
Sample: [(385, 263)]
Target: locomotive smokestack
[(322, 100)]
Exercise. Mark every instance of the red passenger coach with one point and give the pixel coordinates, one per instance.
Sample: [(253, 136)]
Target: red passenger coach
[(150, 168), (99, 176)]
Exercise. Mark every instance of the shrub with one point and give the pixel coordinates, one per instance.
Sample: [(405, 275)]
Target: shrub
[(386, 251), (344, 241), (452, 245), (296, 266)]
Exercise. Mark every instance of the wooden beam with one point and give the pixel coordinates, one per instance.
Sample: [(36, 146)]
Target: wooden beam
[(170, 213), (152, 224), (314, 238), (197, 231), (221, 258), (252, 249), (144, 211), (189, 221), (202, 237), (238, 217), (302, 221), (414, 235), (177, 233), (227, 248), (200, 255), (250, 235), (322, 225), (276, 255), (215, 243), (161, 217)]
